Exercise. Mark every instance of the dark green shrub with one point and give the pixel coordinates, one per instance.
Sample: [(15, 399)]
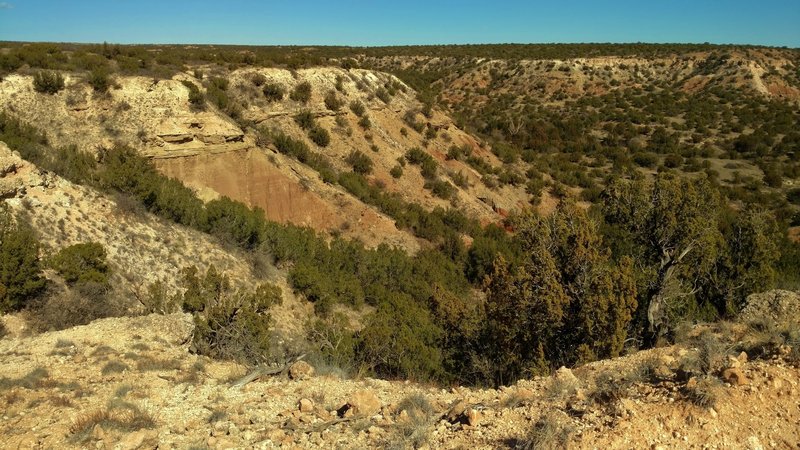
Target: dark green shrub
[(365, 123), (237, 326), (442, 189), (332, 101), (301, 93), (305, 119), (360, 162), (273, 92), (48, 82), (196, 97), (319, 136), (258, 79), (793, 196), (99, 80), (383, 94), (82, 263), (400, 340), (358, 108), (20, 270), (397, 171), (234, 222)]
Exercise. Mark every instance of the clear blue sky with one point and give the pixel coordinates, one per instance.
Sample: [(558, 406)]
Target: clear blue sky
[(378, 22)]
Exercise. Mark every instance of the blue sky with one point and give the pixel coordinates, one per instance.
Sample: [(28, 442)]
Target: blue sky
[(361, 22)]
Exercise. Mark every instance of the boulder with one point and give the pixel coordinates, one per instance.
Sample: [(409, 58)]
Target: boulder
[(463, 413), (361, 403), (565, 375), (301, 370), (734, 376)]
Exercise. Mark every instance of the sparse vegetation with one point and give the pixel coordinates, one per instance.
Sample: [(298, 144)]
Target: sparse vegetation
[(82, 263), (48, 82), (301, 92), (551, 431), (273, 92), (20, 269), (360, 162)]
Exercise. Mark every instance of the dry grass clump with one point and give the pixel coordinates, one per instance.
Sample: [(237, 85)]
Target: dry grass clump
[(649, 370), (114, 367), (148, 363), (38, 378), (414, 427), (124, 417), (194, 375), (217, 415), (609, 388), (551, 431), (705, 391), (765, 338), (103, 350), (561, 388)]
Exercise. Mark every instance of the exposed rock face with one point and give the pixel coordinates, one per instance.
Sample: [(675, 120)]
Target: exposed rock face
[(16, 175), (776, 306), (212, 153)]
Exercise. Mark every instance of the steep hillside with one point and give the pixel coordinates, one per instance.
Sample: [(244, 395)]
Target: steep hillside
[(141, 249), (209, 151)]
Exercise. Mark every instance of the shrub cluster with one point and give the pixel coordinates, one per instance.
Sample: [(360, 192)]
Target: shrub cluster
[(48, 82)]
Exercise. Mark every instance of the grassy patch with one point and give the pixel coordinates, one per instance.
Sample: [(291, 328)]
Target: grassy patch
[(114, 367), (551, 431), (704, 391), (38, 378), (126, 418), (147, 363)]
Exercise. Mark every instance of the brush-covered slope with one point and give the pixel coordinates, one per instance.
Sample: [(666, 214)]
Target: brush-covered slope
[(361, 111)]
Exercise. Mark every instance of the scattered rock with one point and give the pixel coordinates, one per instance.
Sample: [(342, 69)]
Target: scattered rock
[(565, 375), (361, 403), (301, 370), (734, 376), (137, 439), (775, 306), (754, 444), (473, 417), (456, 411), (306, 405), (461, 412)]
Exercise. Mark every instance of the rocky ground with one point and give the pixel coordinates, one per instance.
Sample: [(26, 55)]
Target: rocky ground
[(128, 383)]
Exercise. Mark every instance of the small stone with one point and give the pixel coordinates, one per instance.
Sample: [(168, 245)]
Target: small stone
[(754, 444), (301, 370), (306, 405), (403, 417), (456, 411), (473, 417), (98, 432), (734, 376), (276, 435), (135, 440)]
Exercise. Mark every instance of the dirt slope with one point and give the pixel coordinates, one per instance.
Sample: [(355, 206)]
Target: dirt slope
[(141, 249), (126, 368), (218, 156)]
